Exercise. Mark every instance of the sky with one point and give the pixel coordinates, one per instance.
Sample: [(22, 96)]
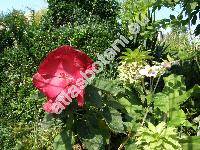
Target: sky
[(26, 5), (6, 5), (165, 12)]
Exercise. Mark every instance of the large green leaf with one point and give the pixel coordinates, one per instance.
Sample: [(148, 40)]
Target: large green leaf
[(172, 96), (93, 97), (130, 145), (191, 143), (133, 113), (91, 131), (111, 86), (178, 117), (94, 143), (64, 140), (131, 108), (113, 119)]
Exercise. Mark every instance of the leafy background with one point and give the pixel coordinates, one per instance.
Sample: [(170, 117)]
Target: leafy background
[(113, 111)]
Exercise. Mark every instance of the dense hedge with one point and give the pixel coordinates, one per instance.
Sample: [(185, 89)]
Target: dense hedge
[(24, 43), (90, 26)]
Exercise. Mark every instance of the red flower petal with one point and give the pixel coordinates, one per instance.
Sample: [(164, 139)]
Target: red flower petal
[(48, 85), (80, 98), (61, 69)]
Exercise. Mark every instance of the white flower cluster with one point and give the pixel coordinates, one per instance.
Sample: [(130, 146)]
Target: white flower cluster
[(129, 72), (156, 70), (2, 27), (152, 71)]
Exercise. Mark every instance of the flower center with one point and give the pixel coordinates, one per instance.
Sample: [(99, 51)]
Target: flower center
[(68, 78)]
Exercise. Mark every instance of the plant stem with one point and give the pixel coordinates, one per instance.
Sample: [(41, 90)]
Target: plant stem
[(197, 63), (145, 116), (124, 143), (143, 85), (151, 84), (156, 84)]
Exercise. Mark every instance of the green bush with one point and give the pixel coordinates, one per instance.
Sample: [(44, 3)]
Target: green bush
[(24, 43), (114, 110)]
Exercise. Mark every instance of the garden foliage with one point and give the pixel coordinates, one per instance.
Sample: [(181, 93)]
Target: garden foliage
[(146, 98)]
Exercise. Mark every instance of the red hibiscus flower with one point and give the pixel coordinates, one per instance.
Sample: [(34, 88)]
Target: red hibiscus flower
[(58, 74)]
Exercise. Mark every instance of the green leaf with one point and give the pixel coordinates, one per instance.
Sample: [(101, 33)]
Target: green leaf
[(150, 27), (93, 96), (135, 55), (94, 143), (156, 137), (190, 143), (193, 5), (149, 98), (131, 108), (172, 17), (92, 135), (180, 17), (130, 145), (111, 86), (194, 19), (160, 127), (172, 96), (64, 140), (133, 112), (197, 30), (178, 117), (113, 119), (152, 127)]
